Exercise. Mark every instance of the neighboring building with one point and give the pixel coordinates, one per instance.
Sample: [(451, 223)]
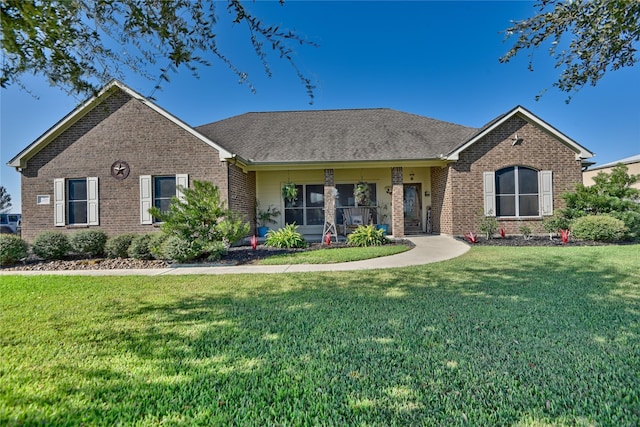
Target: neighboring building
[(632, 163), (108, 161)]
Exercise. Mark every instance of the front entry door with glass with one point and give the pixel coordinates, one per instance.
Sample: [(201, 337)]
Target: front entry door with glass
[(412, 209)]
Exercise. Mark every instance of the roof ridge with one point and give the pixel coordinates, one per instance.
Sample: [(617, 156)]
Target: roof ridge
[(336, 110), (320, 110)]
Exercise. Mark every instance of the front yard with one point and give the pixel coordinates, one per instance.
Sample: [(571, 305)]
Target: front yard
[(499, 336)]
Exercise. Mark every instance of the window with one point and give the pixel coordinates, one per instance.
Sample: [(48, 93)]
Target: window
[(157, 191), (346, 199), (518, 191), (164, 188), (75, 201), (308, 207)]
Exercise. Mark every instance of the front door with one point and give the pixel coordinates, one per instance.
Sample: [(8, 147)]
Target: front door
[(412, 209)]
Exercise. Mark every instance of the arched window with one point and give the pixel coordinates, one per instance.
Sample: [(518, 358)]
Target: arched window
[(517, 192)]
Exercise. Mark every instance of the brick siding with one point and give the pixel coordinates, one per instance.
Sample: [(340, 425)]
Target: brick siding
[(397, 202), (461, 201), (120, 128), (123, 128), (441, 201), (329, 197), (242, 194)]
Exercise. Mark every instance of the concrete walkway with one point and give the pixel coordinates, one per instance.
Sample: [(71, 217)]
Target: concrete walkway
[(427, 249)]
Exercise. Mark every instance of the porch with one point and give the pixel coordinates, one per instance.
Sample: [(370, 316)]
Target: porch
[(398, 196)]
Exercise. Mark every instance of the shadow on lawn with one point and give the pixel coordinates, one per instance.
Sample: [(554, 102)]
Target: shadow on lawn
[(476, 339)]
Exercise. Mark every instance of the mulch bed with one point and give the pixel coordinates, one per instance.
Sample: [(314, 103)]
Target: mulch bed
[(536, 241), (239, 255)]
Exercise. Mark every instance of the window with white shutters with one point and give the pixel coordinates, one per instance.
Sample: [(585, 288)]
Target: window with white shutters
[(518, 191), (76, 201)]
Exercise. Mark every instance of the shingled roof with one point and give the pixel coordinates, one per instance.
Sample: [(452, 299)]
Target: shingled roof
[(335, 136)]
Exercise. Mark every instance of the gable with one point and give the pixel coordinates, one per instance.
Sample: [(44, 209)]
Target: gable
[(21, 159), (520, 112), (120, 128)]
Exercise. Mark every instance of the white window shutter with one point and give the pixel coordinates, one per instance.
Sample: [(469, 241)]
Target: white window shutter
[(93, 217), (58, 202), (546, 186), (182, 181), (146, 199), (489, 186)]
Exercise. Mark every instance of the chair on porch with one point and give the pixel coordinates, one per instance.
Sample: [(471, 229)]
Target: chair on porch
[(354, 217)]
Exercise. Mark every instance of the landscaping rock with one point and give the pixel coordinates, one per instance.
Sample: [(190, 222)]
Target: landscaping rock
[(236, 256)]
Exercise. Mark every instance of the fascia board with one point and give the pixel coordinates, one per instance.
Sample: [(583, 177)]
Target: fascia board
[(285, 165), (581, 152), (21, 159)]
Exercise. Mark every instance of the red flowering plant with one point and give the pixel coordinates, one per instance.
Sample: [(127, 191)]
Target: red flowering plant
[(471, 237)]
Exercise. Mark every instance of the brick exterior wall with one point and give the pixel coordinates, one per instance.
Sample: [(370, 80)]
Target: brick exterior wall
[(441, 201), (329, 197), (397, 202), (242, 194), (123, 128), (461, 202), (120, 128)]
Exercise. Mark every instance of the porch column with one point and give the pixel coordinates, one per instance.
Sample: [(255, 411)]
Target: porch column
[(329, 197), (397, 203)]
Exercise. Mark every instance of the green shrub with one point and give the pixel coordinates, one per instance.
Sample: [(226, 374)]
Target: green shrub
[(12, 249), (51, 245), (367, 235), (631, 220), (599, 228), (488, 225), (215, 250), (88, 242), (611, 194), (526, 231), (555, 223), (232, 228), (286, 237), (181, 250), (156, 243), (139, 248), (117, 246), (201, 215)]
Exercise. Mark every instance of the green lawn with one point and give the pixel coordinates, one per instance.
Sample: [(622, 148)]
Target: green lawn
[(499, 336), (334, 255)]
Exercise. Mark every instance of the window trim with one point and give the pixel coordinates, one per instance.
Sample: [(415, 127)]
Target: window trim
[(147, 194), (61, 202), (516, 191), (545, 194), (70, 202), (303, 207), (373, 188), (155, 198)]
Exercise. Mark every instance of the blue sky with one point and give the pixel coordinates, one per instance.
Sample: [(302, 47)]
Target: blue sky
[(437, 59)]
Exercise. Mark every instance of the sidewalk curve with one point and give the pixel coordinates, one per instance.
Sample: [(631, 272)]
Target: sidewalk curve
[(427, 249)]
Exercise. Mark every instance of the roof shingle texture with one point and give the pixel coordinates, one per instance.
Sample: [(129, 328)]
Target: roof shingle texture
[(335, 136)]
